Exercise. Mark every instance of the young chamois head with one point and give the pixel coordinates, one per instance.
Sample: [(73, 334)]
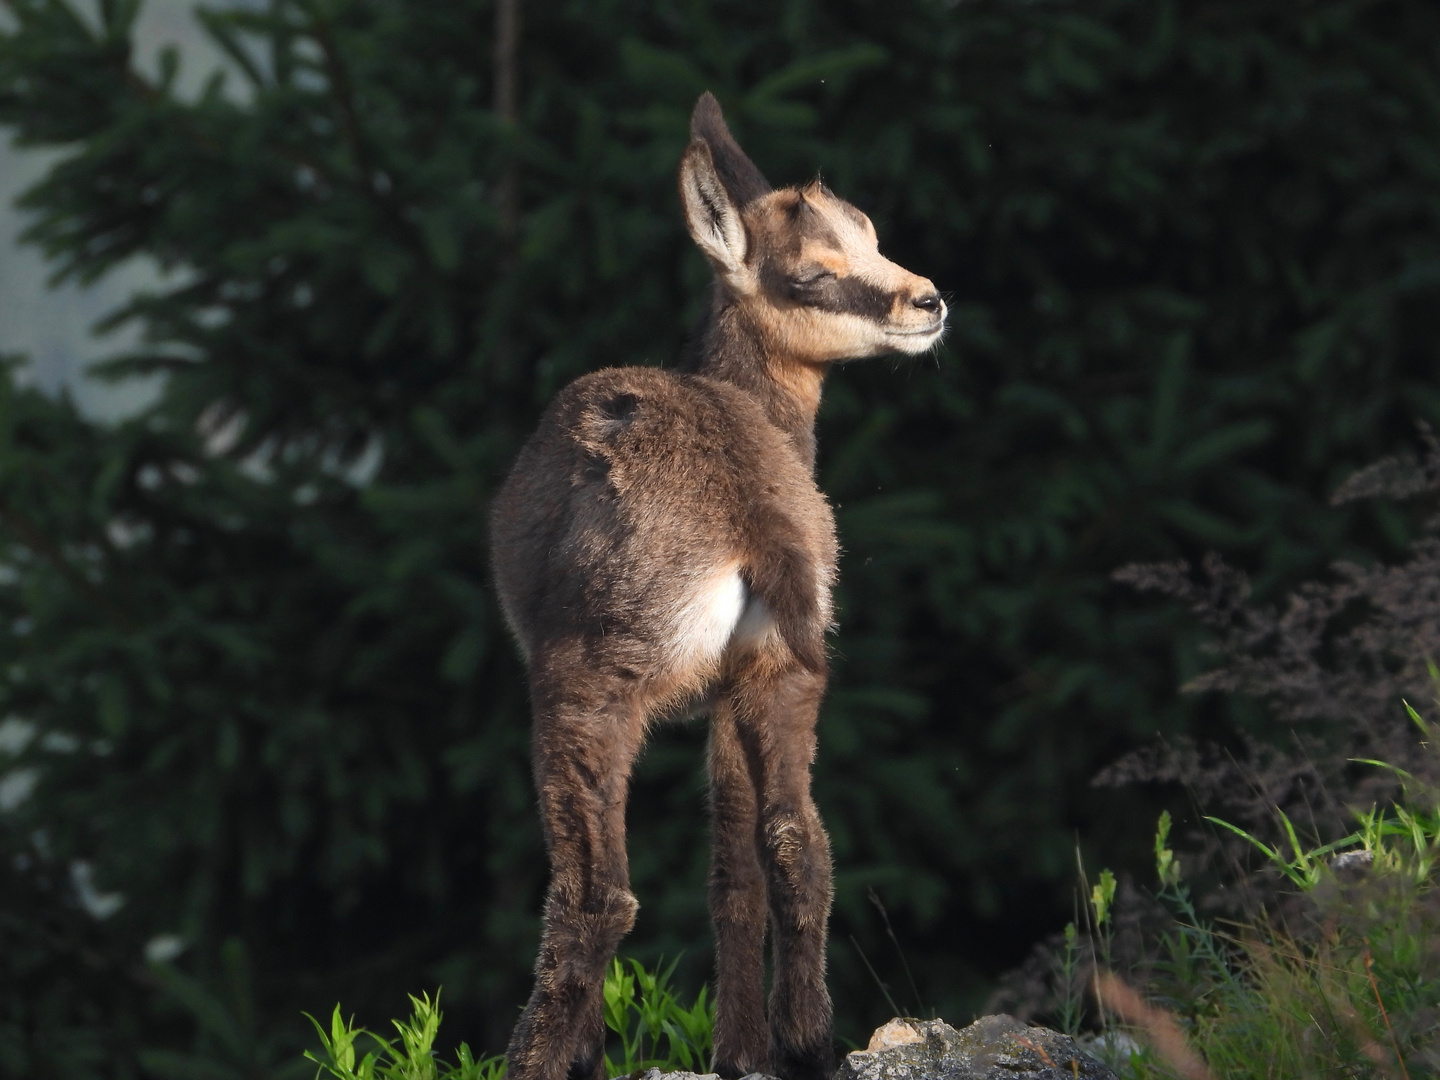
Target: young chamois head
[(802, 265)]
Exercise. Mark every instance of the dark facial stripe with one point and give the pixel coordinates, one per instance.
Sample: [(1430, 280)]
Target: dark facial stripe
[(846, 295)]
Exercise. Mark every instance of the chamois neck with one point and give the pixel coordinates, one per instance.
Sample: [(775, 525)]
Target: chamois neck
[(728, 346)]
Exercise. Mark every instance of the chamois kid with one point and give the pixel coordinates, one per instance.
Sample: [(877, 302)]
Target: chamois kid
[(661, 549)]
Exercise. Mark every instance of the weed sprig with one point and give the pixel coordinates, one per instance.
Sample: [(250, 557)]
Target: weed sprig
[(410, 1057), (650, 1025), (643, 1011)]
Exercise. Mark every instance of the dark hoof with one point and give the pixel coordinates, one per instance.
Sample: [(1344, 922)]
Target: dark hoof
[(815, 1063), (587, 1068)]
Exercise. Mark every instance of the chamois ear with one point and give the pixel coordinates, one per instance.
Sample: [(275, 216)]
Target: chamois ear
[(738, 173), (711, 214)]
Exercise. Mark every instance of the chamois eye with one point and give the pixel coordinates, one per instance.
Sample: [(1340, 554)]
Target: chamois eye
[(811, 278)]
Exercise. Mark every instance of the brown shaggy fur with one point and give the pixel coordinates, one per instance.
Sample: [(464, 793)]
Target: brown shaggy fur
[(661, 549)]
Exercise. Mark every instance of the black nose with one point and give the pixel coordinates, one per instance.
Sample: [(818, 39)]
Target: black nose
[(928, 303)]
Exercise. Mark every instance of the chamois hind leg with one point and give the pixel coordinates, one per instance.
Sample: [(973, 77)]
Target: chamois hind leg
[(586, 740), (737, 903), (776, 709)]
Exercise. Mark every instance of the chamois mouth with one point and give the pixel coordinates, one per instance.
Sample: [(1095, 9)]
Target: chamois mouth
[(920, 340), (939, 325)]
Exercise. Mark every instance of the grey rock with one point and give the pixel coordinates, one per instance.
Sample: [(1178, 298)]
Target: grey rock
[(992, 1048), (656, 1074)]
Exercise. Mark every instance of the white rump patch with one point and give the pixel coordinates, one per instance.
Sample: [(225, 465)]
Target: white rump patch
[(755, 625), (704, 622), (719, 612)]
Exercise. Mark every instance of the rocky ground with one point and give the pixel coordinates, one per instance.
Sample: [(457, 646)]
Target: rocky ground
[(992, 1048)]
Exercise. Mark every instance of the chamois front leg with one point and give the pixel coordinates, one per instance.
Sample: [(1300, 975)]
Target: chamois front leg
[(777, 710), (737, 904), (583, 753)]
